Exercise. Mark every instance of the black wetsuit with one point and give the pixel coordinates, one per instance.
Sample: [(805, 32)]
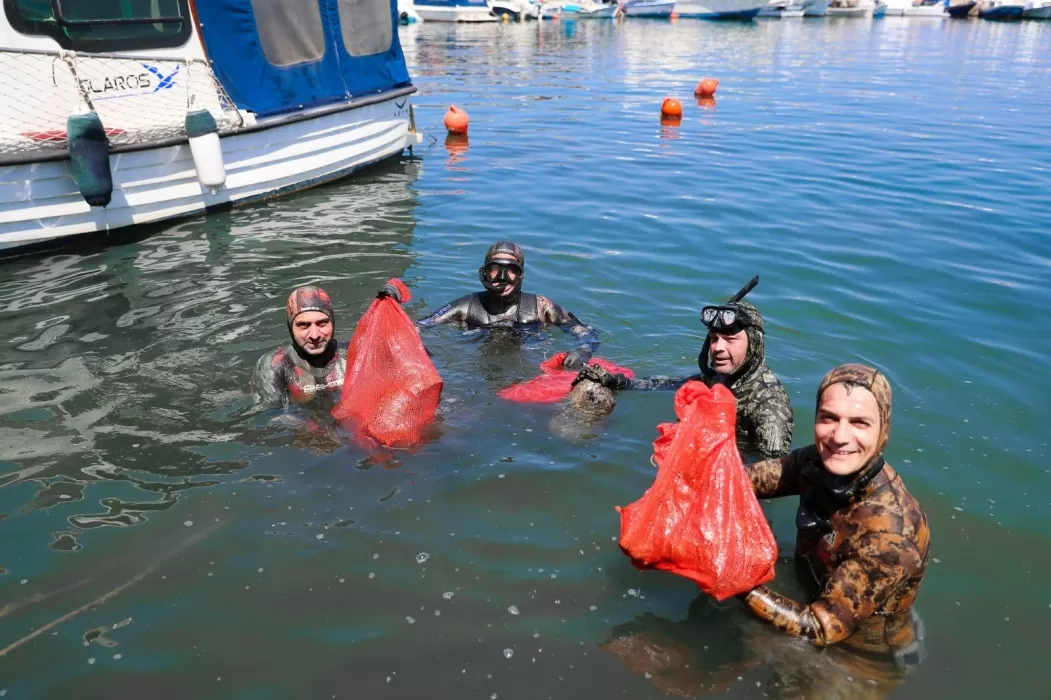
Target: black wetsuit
[(487, 310)]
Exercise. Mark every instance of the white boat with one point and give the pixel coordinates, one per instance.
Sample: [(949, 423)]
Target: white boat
[(147, 128), (454, 11), (407, 12), (720, 9), (781, 9), (586, 9), (936, 10), (517, 10), (850, 9), (1037, 9), (648, 8), (815, 8)]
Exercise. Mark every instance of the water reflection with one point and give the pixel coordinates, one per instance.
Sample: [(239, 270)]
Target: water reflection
[(718, 645), (140, 379)]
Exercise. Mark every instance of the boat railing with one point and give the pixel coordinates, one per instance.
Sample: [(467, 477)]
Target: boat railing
[(140, 98)]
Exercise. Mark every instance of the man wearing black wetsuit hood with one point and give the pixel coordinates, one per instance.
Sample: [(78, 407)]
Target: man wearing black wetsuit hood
[(312, 365), (503, 304)]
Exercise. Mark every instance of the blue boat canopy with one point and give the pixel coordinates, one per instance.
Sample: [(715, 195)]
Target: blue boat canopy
[(279, 56)]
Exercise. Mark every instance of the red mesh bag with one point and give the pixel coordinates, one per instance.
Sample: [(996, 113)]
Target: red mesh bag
[(700, 518), (391, 389), (556, 382)]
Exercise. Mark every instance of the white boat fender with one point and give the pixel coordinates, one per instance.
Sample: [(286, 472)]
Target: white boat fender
[(89, 157), (203, 133)]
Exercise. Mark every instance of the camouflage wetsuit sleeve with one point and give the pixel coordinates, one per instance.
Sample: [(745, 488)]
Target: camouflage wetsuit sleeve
[(269, 383), (777, 477), (552, 313), (857, 588), (660, 383), (773, 428), (453, 312)]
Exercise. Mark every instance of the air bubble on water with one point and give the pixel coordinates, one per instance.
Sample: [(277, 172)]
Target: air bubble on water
[(593, 608), (422, 557), (188, 523), (372, 575), (342, 580), (632, 592), (91, 661), (536, 635), (448, 595), (24, 581), (508, 653), (376, 556), (410, 620), (554, 575), (500, 476), (260, 569), (118, 657), (513, 610), (647, 675), (320, 535)]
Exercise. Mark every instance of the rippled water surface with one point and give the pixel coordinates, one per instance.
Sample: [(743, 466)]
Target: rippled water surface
[(887, 180)]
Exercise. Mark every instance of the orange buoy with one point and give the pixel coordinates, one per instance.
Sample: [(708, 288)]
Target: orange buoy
[(456, 120), (674, 16), (671, 107), (707, 87), (456, 144)]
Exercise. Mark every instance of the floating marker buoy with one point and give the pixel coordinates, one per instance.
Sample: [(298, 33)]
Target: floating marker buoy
[(671, 107), (674, 16), (456, 120), (707, 87), (89, 158), (206, 150)]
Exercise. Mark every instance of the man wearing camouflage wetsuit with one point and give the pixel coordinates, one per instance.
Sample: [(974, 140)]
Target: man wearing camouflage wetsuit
[(312, 365), (733, 355)]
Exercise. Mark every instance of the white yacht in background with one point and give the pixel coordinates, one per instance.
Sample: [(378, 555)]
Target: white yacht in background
[(720, 9), (648, 8), (454, 11), (781, 9), (1037, 9)]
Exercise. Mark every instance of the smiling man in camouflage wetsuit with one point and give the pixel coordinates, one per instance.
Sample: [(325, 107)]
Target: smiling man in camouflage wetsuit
[(734, 355), (863, 541), (312, 365)]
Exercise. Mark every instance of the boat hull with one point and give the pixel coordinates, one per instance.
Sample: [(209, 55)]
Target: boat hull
[(1043, 12), (849, 12), (815, 8), (721, 9), (649, 9), (1003, 13), (961, 11), (454, 13), (39, 201)]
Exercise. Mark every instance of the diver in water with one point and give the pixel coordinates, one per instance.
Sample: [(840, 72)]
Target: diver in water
[(503, 304), (312, 365), (863, 541), (733, 354)]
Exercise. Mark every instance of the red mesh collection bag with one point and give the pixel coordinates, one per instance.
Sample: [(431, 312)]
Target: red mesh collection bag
[(700, 518), (391, 389), (556, 382)]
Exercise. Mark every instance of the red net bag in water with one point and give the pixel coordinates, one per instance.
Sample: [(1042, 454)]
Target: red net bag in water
[(700, 518), (391, 389), (556, 382)]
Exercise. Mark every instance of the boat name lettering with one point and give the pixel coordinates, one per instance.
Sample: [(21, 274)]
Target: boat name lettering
[(139, 81)]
